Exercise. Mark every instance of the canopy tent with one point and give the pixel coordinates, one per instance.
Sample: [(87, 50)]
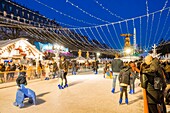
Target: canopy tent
[(129, 58), (80, 59), (66, 54), (18, 48)]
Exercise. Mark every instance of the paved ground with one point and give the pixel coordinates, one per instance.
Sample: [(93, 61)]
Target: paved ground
[(86, 94)]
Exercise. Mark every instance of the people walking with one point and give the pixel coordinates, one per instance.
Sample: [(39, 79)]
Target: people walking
[(116, 66), (124, 79)]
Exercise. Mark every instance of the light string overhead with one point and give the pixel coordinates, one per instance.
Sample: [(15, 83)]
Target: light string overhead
[(113, 14), (85, 12), (61, 13)]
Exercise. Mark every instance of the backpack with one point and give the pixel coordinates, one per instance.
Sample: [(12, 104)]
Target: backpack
[(159, 81)]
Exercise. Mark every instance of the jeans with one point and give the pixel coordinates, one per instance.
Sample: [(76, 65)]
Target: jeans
[(62, 75), (132, 83), (114, 79)]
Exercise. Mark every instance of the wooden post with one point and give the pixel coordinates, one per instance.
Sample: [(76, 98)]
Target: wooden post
[(145, 102)]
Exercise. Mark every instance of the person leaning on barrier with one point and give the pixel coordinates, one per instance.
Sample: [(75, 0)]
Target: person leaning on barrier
[(153, 81)]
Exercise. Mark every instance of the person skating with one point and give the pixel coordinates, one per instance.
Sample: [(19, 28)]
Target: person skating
[(63, 69), (116, 66), (124, 79)]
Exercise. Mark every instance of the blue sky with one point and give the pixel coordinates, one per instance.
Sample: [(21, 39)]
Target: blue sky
[(151, 29)]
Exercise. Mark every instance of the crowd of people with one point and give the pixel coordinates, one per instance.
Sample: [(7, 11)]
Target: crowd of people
[(44, 69), (154, 75)]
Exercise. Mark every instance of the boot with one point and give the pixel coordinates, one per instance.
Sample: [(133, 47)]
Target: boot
[(113, 90), (126, 101), (120, 101)]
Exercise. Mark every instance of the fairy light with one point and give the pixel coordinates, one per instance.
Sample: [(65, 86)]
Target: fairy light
[(164, 24), (85, 12), (73, 18), (113, 14)]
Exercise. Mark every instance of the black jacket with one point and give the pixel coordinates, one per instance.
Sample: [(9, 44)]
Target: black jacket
[(21, 80), (116, 65), (124, 75)]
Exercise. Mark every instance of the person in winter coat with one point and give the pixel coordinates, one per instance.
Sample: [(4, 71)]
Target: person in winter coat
[(150, 71), (22, 76), (124, 79), (133, 76), (63, 70), (116, 66)]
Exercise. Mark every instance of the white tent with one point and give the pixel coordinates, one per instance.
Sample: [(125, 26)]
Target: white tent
[(18, 48)]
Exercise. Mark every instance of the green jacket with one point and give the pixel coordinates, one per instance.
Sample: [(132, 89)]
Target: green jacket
[(147, 82), (63, 65)]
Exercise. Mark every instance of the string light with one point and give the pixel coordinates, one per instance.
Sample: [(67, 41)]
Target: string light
[(146, 29), (106, 37), (167, 33), (151, 30), (94, 37), (86, 39), (82, 21), (164, 24), (140, 32), (157, 26), (117, 36), (166, 2), (86, 12), (38, 14), (111, 36), (113, 14)]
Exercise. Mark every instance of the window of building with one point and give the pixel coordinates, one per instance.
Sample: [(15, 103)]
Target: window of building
[(28, 15), (10, 9), (22, 13), (32, 17), (17, 11), (3, 6)]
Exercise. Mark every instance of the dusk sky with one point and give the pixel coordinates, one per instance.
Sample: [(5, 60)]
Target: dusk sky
[(98, 19)]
